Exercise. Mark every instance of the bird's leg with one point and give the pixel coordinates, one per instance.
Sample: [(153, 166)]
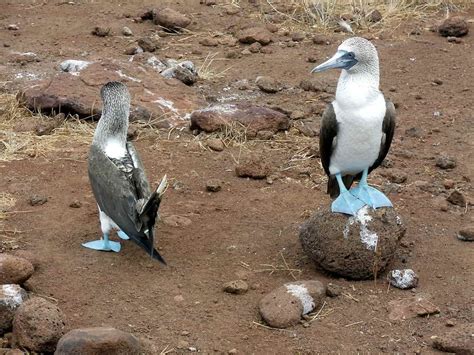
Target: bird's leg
[(345, 202), (103, 244), (122, 235), (371, 196)]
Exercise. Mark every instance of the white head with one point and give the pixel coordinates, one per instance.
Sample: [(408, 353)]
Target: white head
[(354, 55)]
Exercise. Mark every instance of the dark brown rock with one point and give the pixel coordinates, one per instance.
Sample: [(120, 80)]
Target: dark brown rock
[(148, 44), (38, 325), (209, 42), (97, 341), (457, 198), (37, 200), (445, 162), (307, 128), (312, 84), (455, 26), (320, 40), (297, 36), (14, 270), (255, 47), (213, 185), (215, 144), (466, 234), (254, 168), (170, 19), (101, 31), (355, 247), (333, 290), (255, 34), (268, 84), (11, 297), (394, 175), (374, 16), (459, 341), (412, 307), (254, 118), (237, 287), (284, 306), (80, 94)]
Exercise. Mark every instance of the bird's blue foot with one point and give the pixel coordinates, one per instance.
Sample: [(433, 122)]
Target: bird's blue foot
[(122, 235), (103, 244), (370, 196), (346, 203)]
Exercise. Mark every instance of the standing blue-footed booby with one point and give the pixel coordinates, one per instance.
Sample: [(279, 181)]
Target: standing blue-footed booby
[(357, 127), (118, 179)]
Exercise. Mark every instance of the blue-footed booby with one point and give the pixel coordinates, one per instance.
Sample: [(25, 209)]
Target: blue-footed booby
[(357, 127), (118, 179)]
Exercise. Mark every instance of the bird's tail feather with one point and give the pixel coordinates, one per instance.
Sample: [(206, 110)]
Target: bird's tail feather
[(333, 186)]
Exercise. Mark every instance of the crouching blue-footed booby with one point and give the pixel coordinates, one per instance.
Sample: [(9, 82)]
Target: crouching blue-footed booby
[(357, 127), (118, 179)]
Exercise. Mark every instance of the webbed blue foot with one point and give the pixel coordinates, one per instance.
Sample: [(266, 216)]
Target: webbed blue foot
[(369, 195), (345, 202), (122, 235), (103, 244)]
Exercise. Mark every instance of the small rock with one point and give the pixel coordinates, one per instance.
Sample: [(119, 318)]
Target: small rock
[(457, 198), (418, 305), (441, 203), (266, 50), (268, 84), (403, 279), (213, 185), (312, 84), (459, 341), (448, 184), (438, 82), (11, 297), (320, 40), (450, 323), (374, 16), (254, 168), (394, 175), (312, 59), (333, 290), (255, 34), (23, 58), (73, 65), (209, 42), (133, 49), (445, 162), (232, 351), (297, 115), (170, 19), (13, 27), (264, 135), (466, 234), (255, 47), (178, 298), (455, 26), (215, 144), (148, 44), (127, 32), (38, 325), (297, 36), (308, 128), (100, 31), (456, 40), (284, 306), (75, 204), (183, 344), (44, 129), (14, 270), (237, 287), (37, 200), (414, 132), (176, 221), (100, 340)]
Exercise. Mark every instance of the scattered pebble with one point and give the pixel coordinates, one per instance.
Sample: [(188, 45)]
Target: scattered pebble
[(255, 34), (457, 198), (14, 269), (75, 204), (237, 287), (73, 65), (100, 31), (414, 132), (438, 82), (403, 279), (170, 19), (254, 168), (13, 27), (213, 185), (320, 40), (374, 16), (38, 325), (445, 162), (148, 44), (215, 144), (333, 290), (209, 42), (448, 184), (456, 40), (455, 26), (394, 175), (268, 84), (312, 84), (466, 234), (255, 47), (37, 200), (127, 32), (298, 36)]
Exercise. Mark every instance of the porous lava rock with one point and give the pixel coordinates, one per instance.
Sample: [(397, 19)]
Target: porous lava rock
[(253, 118), (170, 19), (11, 297), (38, 325), (455, 26), (284, 306), (14, 269), (255, 34), (356, 247), (97, 341)]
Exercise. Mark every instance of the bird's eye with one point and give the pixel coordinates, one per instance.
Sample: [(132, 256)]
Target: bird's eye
[(351, 54)]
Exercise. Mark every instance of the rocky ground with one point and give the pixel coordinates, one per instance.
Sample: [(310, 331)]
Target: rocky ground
[(239, 191)]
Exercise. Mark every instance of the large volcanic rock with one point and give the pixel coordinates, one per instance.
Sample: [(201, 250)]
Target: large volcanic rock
[(96, 341), (253, 118), (14, 269), (355, 247), (11, 297), (79, 92)]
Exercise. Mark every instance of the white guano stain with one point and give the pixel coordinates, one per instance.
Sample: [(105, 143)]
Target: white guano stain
[(369, 238), (12, 296), (403, 278), (301, 292), (122, 75)]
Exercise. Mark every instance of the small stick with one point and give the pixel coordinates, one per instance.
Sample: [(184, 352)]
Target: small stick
[(355, 323), (348, 295), (317, 314)]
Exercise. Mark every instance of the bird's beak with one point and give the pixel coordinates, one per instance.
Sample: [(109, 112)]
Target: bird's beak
[(340, 60)]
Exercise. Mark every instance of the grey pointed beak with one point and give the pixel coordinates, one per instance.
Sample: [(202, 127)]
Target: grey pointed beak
[(340, 60)]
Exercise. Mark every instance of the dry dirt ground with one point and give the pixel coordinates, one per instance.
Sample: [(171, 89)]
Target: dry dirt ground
[(250, 227)]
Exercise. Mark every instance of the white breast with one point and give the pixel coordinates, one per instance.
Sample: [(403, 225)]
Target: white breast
[(359, 136), (115, 149)]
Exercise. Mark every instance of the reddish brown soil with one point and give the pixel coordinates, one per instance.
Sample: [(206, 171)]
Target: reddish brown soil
[(248, 223)]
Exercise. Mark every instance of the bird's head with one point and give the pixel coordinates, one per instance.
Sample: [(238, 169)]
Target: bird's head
[(352, 55)]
